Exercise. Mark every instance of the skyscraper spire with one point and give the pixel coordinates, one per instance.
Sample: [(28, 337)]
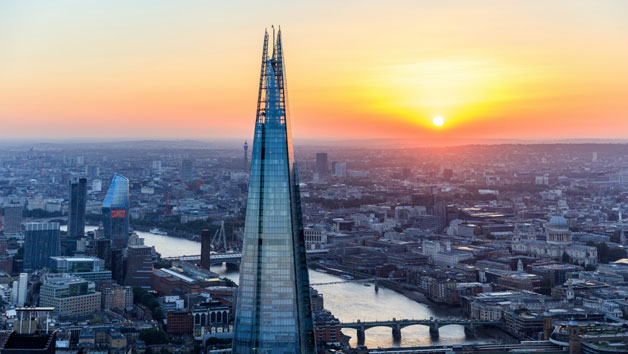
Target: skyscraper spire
[(273, 311)]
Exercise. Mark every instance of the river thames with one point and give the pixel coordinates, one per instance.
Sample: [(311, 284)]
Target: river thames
[(348, 301)]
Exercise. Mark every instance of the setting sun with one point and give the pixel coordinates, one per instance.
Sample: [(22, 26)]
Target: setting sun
[(438, 121)]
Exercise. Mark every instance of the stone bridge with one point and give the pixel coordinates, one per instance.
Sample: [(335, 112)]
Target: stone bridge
[(434, 324)]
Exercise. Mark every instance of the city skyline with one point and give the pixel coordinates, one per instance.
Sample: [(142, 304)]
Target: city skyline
[(458, 182), (492, 70), (273, 311)]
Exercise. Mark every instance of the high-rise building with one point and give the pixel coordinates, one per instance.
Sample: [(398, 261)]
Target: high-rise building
[(115, 210), (92, 171), (340, 169), (139, 266), (156, 165), (321, 164), (116, 263), (273, 313), (76, 210), (96, 185), (12, 217), (41, 241), (186, 170), (22, 289), (206, 248), (15, 291)]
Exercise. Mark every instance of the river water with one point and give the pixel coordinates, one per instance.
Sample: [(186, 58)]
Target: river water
[(347, 301)]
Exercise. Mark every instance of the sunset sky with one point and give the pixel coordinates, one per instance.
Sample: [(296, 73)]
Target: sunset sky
[(355, 69)]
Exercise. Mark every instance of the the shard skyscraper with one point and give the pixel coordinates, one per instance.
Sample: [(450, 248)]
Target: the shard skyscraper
[(273, 312)]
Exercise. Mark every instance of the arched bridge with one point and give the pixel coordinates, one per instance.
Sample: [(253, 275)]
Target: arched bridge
[(434, 324)]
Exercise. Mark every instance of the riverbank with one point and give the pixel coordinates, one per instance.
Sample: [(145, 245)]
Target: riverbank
[(441, 310)]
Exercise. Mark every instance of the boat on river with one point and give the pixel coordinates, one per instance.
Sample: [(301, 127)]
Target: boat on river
[(156, 231)]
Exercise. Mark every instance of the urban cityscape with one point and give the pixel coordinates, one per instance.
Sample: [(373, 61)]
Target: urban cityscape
[(285, 243)]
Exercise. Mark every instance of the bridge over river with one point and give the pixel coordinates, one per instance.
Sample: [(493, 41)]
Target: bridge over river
[(230, 258), (434, 324)]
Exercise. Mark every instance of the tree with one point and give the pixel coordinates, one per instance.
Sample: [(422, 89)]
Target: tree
[(153, 336), (566, 258), (603, 252), (158, 314), (606, 254)]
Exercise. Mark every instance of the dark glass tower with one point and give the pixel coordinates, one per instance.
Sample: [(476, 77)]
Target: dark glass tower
[(41, 241), (76, 211), (321, 164), (273, 312), (115, 210)]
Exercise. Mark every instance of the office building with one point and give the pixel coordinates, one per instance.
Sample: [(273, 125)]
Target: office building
[(76, 209), (22, 289), (96, 185), (315, 238), (340, 169), (92, 171), (156, 165), (273, 313), (186, 170), (12, 217), (88, 268), (70, 295), (116, 261), (6, 260), (41, 241), (15, 290), (115, 297), (321, 164), (115, 210), (139, 266), (180, 322), (206, 248)]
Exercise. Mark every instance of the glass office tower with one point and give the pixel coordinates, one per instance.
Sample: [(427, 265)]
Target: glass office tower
[(76, 210), (115, 210), (41, 241), (273, 311)]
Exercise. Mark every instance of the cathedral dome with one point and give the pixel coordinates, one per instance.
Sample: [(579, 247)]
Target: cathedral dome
[(558, 221), (557, 231)]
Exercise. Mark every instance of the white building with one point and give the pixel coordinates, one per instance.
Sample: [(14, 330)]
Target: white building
[(315, 238), (22, 289), (96, 185), (558, 242), (340, 169)]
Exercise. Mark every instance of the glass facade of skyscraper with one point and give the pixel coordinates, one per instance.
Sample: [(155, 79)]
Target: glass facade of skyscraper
[(273, 312), (76, 209), (115, 210), (41, 241)]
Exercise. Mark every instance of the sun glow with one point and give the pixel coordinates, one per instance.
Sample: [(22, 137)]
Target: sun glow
[(438, 121)]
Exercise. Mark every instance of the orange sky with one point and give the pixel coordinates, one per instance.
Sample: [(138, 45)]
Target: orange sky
[(356, 69)]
